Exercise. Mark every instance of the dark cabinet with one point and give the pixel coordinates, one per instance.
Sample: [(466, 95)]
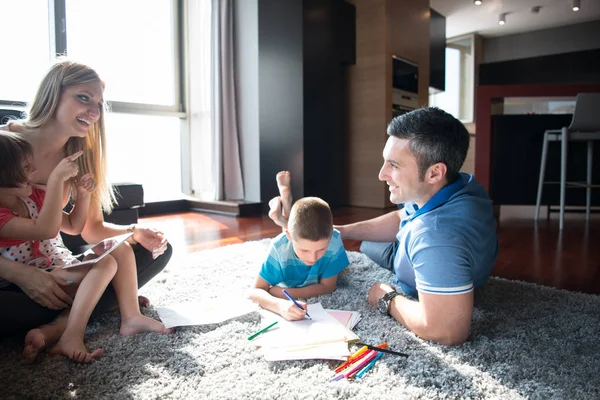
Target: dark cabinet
[(437, 56)]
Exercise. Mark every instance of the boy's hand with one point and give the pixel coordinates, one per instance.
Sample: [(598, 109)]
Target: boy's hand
[(86, 184), (66, 168), (290, 311)]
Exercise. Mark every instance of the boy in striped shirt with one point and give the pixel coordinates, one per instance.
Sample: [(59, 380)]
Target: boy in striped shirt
[(305, 259)]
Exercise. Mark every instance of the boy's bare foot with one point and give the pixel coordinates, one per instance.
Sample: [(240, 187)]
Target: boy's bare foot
[(39, 339), (75, 349), (283, 183), (275, 212), (140, 323)]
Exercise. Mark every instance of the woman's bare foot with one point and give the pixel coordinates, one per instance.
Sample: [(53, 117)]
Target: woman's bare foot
[(140, 323), (75, 349), (39, 339), (275, 212), (285, 192), (143, 301)]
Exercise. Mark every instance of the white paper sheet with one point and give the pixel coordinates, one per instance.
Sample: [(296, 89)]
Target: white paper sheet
[(328, 351), (323, 328), (204, 312)]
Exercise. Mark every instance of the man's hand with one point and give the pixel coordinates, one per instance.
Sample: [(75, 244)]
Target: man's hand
[(378, 290), (43, 287)]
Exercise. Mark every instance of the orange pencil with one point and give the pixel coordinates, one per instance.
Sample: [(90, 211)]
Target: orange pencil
[(357, 356)]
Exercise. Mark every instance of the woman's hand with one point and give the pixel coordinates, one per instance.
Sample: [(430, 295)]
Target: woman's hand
[(43, 287), (151, 239)]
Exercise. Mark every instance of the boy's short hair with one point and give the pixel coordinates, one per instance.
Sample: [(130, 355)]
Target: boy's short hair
[(310, 219), (15, 149)]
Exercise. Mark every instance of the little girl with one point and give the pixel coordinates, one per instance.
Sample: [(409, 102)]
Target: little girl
[(30, 221)]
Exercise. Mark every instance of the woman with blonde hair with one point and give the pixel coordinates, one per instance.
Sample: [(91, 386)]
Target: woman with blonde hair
[(66, 116)]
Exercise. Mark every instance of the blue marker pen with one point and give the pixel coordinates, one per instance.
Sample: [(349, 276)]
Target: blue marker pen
[(289, 296)]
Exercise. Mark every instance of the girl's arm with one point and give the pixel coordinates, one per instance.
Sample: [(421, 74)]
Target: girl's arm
[(49, 220), (74, 222)]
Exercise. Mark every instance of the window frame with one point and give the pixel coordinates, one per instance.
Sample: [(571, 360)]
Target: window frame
[(57, 34)]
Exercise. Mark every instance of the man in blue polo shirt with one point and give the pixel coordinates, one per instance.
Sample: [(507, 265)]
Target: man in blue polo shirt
[(446, 242)]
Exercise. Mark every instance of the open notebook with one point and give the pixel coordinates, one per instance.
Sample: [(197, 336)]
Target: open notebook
[(323, 337)]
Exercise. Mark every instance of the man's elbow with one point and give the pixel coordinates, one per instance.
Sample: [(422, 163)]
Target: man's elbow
[(447, 336)]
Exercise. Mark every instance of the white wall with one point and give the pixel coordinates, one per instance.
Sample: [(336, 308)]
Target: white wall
[(561, 40), (245, 18)]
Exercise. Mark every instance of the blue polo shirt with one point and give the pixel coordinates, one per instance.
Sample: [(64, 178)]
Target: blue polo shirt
[(449, 245)]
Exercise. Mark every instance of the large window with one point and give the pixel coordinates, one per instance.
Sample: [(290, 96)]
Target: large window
[(458, 98), (135, 45), (25, 48)]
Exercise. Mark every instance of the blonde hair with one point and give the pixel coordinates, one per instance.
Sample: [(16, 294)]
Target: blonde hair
[(63, 74), (310, 219)]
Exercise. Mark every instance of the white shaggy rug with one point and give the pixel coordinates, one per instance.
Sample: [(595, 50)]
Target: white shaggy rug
[(527, 342)]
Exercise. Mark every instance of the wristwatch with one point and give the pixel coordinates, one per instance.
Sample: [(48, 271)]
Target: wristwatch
[(383, 303)]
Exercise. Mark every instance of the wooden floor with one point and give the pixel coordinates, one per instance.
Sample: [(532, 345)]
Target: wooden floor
[(531, 252)]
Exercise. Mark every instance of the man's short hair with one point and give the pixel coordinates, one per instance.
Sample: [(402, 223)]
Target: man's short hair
[(310, 219), (435, 136)]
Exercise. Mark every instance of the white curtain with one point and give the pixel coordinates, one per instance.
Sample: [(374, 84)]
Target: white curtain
[(227, 169)]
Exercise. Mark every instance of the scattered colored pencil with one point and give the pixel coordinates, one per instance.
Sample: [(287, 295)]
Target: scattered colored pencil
[(369, 366), (377, 348), (262, 330)]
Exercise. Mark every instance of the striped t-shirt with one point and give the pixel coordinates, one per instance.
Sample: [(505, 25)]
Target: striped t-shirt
[(282, 266)]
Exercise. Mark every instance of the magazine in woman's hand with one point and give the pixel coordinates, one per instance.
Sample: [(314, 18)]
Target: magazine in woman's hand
[(99, 251)]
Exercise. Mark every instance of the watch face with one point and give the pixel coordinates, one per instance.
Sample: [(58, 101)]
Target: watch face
[(382, 305)]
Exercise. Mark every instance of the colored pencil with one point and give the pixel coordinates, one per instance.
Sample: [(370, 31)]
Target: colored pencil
[(383, 350), (262, 330), (369, 366)]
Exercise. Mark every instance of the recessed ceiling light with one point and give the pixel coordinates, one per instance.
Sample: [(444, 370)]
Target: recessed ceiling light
[(502, 19), (477, 2)]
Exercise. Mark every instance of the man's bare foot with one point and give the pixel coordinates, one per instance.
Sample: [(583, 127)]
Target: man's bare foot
[(39, 339), (283, 183), (275, 212), (140, 323), (75, 349)]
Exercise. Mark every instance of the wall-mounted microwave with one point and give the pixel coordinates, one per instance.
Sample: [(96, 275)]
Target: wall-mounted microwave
[(405, 75)]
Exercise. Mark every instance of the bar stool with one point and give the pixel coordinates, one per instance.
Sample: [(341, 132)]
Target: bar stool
[(585, 126)]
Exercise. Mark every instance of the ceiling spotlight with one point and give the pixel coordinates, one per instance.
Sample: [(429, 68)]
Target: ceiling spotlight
[(477, 2), (502, 19), (576, 5)]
